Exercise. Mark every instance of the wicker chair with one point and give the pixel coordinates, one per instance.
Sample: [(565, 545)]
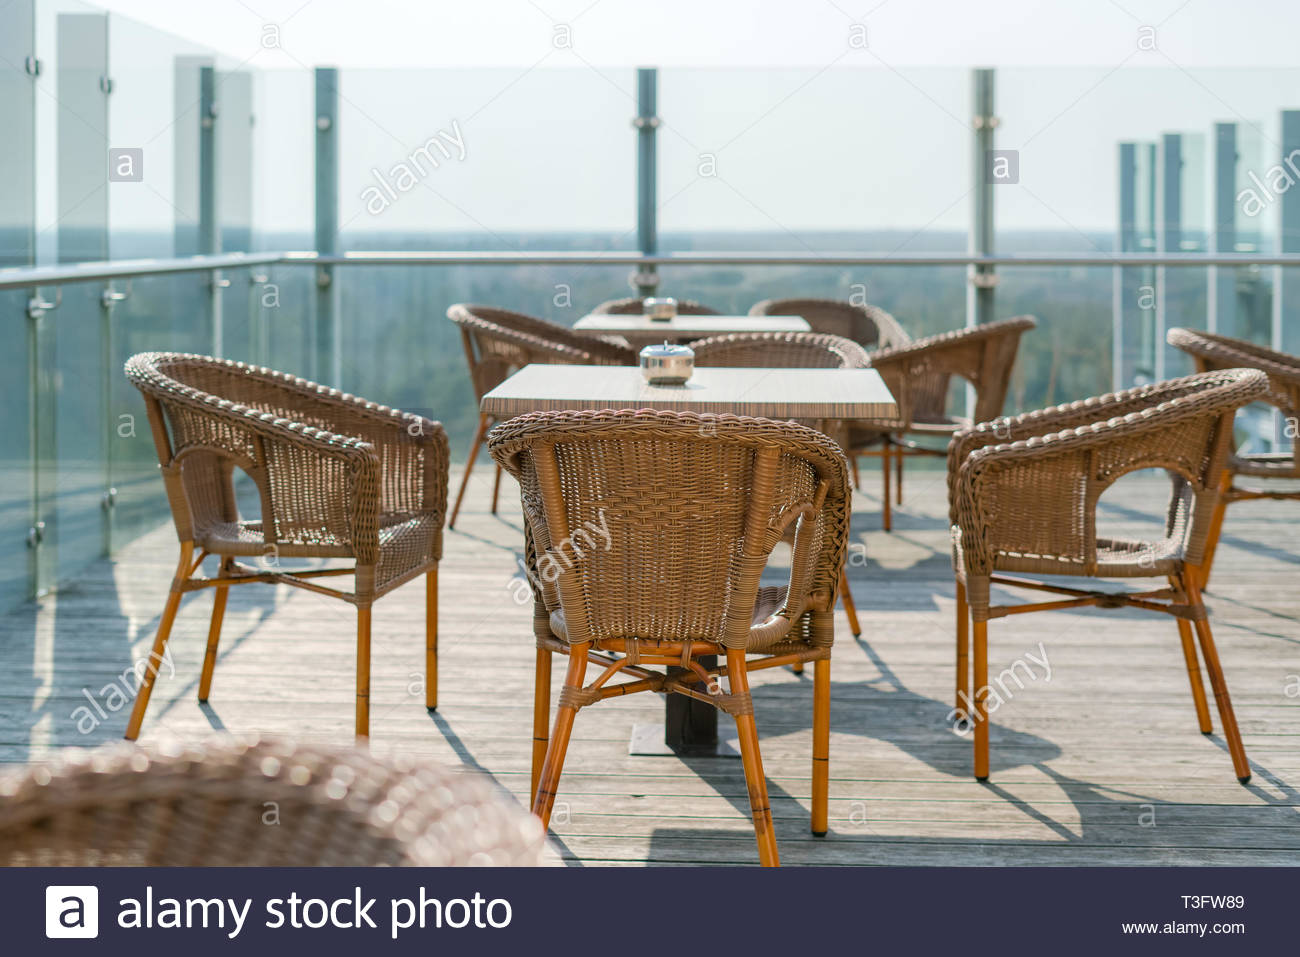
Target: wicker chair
[(1023, 496), (1212, 352), (338, 477), (688, 508), (792, 350), (870, 327), (498, 343), (635, 306), (918, 375), (248, 802), (780, 350)]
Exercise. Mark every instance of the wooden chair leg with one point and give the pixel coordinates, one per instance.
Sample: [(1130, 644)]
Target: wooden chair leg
[(431, 639), (980, 718), (898, 476), (886, 513), (363, 673), (496, 489), (821, 746), (857, 478), (1193, 669), (159, 643), (850, 609), (764, 832), (1191, 579), (797, 668), (541, 716), (214, 638), (963, 653), (479, 434), (549, 784), (1216, 527)]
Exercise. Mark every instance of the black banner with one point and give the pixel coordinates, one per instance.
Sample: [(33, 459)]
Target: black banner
[(632, 911)]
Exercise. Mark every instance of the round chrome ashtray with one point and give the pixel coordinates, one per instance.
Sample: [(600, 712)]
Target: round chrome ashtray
[(660, 308), (667, 364)]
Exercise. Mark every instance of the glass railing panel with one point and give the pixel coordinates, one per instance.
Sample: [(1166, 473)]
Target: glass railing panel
[(814, 161), (159, 314), (18, 92), (284, 136), (400, 349), (70, 444), (487, 159), (1069, 355)]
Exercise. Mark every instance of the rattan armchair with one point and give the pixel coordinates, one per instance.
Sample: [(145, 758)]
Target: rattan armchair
[(635, 306), (231, 801), (1212, 352), (647, 536), (869, 326), (790, 350), (1023, 495), (918, 374), (337, 477), (780, 350), (498, 343)]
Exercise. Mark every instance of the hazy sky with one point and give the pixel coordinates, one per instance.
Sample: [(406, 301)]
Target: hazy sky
[(813, 114), (734, 32)]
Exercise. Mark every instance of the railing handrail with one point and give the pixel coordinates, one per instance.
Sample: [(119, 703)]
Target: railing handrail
[(27, 277)]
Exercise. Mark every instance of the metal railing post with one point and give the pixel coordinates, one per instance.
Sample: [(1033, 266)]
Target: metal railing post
[(1221, 298), (647, 174), (983, 279), (209, 227), (326, 354)]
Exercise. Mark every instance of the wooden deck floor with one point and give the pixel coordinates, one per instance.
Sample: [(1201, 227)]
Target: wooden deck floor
[(1101, 764)]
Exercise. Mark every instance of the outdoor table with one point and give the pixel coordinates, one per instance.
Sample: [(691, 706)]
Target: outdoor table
[(690, 726), (642, 330)]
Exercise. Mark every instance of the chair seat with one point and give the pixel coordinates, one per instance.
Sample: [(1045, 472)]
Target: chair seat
[(768, 601), (940, 425), (1265, 465), (1116, 558), (405, 544)]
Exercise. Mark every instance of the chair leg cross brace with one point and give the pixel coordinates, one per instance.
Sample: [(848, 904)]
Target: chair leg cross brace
[(549, 746), (1182, 600)]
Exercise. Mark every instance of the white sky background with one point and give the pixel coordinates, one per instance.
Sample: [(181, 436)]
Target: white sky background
[(809, 131)]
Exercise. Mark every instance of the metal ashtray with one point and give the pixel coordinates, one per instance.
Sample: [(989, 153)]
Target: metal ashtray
[(661, 308), (667, 364)]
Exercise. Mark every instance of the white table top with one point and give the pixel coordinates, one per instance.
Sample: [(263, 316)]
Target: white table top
[(640, 330), (771, 393)]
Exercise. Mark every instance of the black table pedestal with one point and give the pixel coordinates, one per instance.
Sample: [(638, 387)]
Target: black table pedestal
[(690, 728)]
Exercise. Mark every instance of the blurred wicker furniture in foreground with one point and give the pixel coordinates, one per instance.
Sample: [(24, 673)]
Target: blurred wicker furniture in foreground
[(1212, 352), (337, 476), (646, 537), (232, 802), (1023, 494), (499, 342)]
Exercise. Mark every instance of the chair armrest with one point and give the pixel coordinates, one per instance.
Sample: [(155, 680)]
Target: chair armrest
[(317, 487), (1038, 495), (917, 373), (1070, 415)]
